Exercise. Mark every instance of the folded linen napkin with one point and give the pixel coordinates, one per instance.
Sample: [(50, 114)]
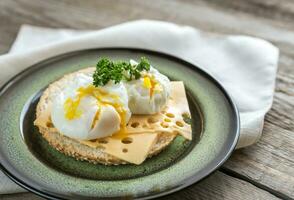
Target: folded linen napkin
[(245, 66)]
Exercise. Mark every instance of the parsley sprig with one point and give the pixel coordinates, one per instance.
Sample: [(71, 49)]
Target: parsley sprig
[(107, 70)]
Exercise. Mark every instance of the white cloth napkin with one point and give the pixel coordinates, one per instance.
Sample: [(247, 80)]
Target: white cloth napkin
[(245, 66)]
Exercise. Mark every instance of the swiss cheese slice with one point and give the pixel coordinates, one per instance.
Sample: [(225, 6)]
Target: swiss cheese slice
[(132, 148), (134, 152)]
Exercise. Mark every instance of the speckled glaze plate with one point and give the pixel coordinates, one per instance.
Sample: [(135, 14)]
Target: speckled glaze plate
[(29, 161)]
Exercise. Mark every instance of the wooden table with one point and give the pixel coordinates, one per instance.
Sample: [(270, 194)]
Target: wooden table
[(262, 171)]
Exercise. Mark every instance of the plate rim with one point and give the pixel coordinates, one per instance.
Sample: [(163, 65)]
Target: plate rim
[(185, 183)]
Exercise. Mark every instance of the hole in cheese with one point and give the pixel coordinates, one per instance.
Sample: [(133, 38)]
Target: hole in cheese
[(135, 124), (170, 115), (127, 140), (125, 150), (167, 120), (179, 124), (185, 115), (49, 125), (152, 120), (186, 118), (164, 125), (103, 141)]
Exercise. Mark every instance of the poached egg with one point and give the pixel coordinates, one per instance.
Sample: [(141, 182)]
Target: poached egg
[(85, 112), (148, 94)]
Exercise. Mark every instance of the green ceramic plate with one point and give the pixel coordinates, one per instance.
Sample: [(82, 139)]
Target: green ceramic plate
[(28, 159)]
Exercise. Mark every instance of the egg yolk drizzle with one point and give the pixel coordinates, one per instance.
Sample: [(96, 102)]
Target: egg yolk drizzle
[(103, 98), (151, 84), (71, 108)]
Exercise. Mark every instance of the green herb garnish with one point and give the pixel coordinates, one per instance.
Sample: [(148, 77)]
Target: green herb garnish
[(107, 70)]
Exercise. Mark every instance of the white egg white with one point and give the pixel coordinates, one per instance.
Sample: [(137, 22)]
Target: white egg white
[(78, 128), (81, 127), (140, 101)]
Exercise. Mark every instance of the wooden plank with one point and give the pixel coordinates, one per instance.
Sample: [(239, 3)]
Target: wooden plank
[(221, 186), (279, 10), (269, 163), (218, 186)]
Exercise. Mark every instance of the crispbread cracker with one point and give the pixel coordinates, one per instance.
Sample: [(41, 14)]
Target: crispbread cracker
[(146, 135)]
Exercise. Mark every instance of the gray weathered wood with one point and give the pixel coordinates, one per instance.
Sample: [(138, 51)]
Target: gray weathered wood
[(270, 163), (221, 186)]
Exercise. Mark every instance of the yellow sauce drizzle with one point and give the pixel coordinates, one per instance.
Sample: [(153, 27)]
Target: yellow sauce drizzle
[(72, 111), (151, 84)]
